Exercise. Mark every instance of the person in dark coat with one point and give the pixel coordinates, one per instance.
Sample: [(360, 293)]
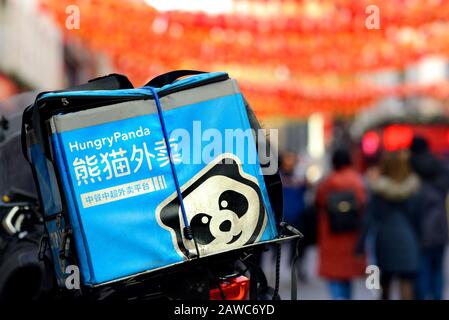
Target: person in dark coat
[(293, 190), (392, 218), (433, 220)]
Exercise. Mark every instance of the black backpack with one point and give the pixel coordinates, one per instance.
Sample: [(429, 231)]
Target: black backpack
[(343, 211)]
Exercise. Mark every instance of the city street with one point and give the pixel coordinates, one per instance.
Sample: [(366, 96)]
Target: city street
[(151, 149), (312, 287)]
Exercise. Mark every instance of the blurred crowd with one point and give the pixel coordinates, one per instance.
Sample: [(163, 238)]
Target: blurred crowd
[(391, 217)]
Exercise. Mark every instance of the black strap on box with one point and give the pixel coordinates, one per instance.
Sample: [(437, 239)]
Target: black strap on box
[(187, 231)]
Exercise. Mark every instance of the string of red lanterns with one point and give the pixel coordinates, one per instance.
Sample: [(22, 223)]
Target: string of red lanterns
[(143, 42)]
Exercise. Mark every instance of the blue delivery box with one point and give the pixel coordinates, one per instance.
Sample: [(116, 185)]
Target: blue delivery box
[(147, 178)]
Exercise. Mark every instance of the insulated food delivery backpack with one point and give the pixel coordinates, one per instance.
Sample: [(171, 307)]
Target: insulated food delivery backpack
[(133, 180)]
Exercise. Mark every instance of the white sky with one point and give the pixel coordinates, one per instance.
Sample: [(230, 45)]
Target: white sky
[(208, 6)]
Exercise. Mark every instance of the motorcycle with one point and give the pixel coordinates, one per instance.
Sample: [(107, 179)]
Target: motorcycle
[(26, 270)]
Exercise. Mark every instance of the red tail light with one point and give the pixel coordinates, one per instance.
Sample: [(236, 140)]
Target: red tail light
[(232, 289), (371, 143), (397, 137)]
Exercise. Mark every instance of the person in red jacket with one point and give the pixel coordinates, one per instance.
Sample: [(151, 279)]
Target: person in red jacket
[(340, 200)]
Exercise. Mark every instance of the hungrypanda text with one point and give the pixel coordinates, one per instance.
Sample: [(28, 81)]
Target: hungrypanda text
[(108, 141)]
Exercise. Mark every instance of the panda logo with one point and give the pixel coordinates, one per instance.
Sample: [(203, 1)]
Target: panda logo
[(224, 208)]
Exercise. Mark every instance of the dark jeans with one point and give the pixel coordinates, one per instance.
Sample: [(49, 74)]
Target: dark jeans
[(429, 283)]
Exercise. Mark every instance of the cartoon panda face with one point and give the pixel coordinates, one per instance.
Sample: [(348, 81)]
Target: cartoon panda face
[(224, 208)]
